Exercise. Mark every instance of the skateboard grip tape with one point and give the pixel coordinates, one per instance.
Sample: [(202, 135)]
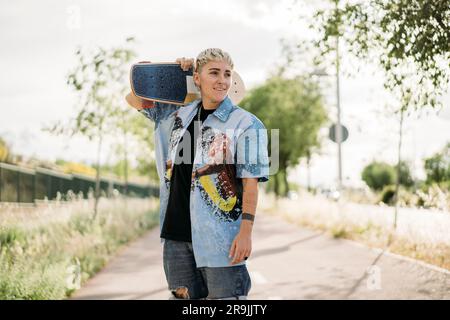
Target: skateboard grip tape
[(160, 82)]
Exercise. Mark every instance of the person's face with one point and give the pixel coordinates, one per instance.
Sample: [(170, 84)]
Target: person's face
[(214, 81)]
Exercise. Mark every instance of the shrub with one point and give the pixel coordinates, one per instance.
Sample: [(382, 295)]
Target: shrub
[(387, 195), (377, 175)]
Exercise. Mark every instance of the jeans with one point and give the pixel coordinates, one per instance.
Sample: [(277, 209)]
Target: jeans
[(186, 281)]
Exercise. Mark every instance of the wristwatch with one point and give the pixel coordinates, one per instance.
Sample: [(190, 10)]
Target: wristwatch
[(248, 216)]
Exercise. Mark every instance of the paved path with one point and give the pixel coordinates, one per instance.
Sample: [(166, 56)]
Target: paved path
[(288, 262)]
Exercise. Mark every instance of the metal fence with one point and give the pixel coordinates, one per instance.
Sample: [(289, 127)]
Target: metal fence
[(24, 185)]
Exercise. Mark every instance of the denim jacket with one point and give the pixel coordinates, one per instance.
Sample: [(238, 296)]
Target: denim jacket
[(232, 144)]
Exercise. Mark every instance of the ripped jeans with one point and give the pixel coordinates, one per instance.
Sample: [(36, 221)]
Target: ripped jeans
[(186, 281)]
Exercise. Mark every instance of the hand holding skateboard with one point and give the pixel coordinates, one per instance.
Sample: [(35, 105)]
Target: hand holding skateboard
[(185, 64)]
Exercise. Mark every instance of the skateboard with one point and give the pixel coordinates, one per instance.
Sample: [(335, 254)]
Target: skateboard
[(168, 83)]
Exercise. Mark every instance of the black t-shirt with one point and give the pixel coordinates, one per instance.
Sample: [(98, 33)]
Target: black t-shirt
[(177, 221)]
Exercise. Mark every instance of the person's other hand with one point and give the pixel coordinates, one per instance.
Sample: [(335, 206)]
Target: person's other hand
[(185, 63), (241, 248)]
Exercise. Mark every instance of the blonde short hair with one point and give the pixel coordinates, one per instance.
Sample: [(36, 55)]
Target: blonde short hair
[(212, 54)]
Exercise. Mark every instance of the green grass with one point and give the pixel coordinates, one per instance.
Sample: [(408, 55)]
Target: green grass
[(49, 258), (339, 232)]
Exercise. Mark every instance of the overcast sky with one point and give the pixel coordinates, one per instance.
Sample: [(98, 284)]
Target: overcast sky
[(38, 40)]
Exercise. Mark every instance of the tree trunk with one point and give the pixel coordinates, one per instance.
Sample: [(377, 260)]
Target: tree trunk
[(308, 171), (125, 161), (397, 183), (276, 186), (97, 177), (286, 184)]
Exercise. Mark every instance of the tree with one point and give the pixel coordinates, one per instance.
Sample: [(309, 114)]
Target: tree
[(437, 167), (409, 39), (377, 175), (100, 80), (406, 178), (143, 132), (294, 106), (131, 129)]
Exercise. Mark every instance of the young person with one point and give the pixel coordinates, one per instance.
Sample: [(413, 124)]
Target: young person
[(211, 154)]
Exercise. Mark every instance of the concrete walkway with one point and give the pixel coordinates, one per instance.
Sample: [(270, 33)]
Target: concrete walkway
[(288, 262)]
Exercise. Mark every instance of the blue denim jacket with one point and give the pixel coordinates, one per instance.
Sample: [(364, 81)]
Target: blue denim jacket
[(232, 145)]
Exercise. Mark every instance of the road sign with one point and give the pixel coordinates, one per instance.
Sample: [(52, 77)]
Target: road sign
[(333, 133)]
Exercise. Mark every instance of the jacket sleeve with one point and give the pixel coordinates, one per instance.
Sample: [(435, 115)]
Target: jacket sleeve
[(159, 112), (252, 159)]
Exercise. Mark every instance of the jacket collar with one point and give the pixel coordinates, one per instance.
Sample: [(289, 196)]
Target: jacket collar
[(222, 112)]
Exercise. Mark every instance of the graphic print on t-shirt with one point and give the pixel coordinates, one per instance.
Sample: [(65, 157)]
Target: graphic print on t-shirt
[(216, 180)]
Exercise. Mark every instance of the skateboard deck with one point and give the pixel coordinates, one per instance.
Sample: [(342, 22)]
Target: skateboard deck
[(168, 83)]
